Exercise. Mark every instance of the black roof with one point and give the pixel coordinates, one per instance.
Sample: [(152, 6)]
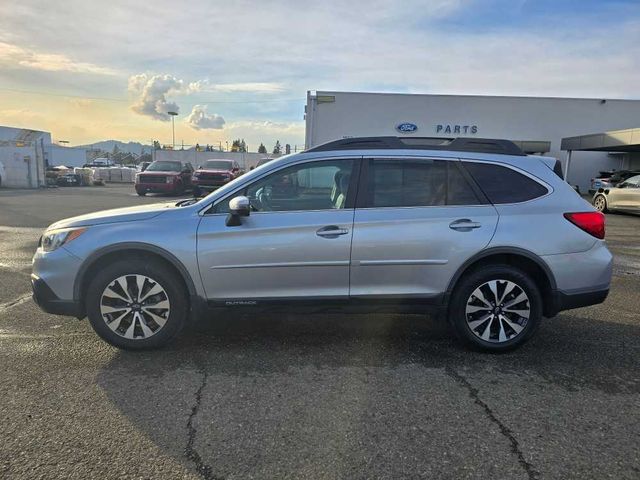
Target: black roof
[(460, 144)]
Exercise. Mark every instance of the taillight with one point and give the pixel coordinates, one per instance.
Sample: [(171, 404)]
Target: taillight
[(590, 222)]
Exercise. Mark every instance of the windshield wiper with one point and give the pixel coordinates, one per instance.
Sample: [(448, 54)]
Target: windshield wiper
[(187, 201)]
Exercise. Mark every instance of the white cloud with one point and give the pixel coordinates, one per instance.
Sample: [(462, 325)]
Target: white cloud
[(14, 56), (199, 119), (152, 91), (250, 87)]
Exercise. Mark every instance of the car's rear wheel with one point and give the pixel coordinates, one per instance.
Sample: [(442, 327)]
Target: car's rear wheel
[(196, 191), (600, 202), (141, 193), (135, 304), (496, 308)]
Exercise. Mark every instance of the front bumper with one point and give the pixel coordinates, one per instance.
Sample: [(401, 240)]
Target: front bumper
[(155, 187), (209, 184), (47, 300)]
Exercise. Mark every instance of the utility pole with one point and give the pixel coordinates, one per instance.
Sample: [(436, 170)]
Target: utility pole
[(173, 128)]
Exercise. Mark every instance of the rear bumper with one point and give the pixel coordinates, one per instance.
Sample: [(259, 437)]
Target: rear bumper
[(47, 300), (577, 299)]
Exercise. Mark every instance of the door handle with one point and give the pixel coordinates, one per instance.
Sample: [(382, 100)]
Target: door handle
[(331, 231), (464, 225)]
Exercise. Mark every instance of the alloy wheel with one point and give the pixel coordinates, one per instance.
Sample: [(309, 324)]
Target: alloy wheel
[(135, 306), (600, 203), (498, 311)]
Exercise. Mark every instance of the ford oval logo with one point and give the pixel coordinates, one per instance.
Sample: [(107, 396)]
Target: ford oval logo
[(407, 127)]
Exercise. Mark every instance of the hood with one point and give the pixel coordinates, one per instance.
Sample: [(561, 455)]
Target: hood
[(127, 214), (159, 172)]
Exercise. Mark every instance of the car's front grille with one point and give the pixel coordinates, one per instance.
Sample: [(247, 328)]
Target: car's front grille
[(218, 177), (152, 179)]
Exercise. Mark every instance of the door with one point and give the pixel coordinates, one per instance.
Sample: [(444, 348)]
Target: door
[(295, 243), (627, 195), (417, 220)]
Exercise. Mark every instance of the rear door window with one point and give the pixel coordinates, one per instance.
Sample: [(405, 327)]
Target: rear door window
[(403, 182), (504, 185)]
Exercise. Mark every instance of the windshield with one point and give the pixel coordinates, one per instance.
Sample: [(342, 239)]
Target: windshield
[(217, 165), (162, 166)]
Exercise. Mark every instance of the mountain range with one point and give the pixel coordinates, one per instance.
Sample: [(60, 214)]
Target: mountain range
[(107, 146)]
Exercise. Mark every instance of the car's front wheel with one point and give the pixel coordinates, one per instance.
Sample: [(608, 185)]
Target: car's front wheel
[(600, 202), (135, 304), (495, 308)]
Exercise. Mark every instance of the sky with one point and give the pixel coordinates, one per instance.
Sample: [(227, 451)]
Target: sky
[(90, 70)]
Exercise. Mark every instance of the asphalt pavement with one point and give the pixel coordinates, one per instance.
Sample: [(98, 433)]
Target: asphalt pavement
[(311, 396)]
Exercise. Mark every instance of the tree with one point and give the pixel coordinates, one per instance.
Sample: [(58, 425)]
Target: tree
[(239, 145), (277, 149), (262, 148)]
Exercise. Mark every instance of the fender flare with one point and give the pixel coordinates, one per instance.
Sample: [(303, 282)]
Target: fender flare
[(502, 250), (95, 256)]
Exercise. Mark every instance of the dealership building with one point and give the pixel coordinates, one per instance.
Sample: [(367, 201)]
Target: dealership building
[(586, 134)]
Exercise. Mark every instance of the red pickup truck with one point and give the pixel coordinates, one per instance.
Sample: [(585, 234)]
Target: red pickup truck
[(164, 176), (213, 174)]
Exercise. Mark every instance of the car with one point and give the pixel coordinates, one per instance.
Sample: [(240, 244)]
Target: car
[(164, 176), (608, 179), (472, 230), (213, 174), (262, 161), (69, 180), (625, 197)]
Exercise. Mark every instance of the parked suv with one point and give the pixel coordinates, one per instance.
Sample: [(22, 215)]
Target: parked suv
[(164, 176), (472, 228), (213, 174)]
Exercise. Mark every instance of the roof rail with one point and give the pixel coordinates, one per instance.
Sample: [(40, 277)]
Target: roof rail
[(460, 144)]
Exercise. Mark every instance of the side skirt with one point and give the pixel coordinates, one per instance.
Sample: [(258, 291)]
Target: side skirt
[(386, 304)]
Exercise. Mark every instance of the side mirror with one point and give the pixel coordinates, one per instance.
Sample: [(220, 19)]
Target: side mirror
[(238, 207)]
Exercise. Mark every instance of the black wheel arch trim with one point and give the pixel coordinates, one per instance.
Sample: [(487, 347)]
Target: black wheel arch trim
[(497, 251), (98, 254)]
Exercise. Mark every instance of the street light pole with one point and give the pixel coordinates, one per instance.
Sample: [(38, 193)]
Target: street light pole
[(173, 128)]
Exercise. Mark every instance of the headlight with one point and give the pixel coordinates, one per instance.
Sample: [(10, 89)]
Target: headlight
[(52, 239), (169, 180)]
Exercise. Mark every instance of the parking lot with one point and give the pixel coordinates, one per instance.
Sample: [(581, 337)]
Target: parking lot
[(313, 396)]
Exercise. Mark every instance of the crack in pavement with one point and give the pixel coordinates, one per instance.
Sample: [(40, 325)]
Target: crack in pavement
[(515, 446), (14, 303), (190, 452)]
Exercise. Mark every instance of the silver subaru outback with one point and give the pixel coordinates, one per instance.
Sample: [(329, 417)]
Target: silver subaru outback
[(470, 228)]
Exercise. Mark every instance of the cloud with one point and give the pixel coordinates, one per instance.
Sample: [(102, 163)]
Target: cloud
[(252, 87), (199, 119), (12, 56), (152, 91)]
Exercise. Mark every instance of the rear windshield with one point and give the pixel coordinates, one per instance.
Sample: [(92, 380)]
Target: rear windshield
[(504, 185), (217, 165), (163, 166)]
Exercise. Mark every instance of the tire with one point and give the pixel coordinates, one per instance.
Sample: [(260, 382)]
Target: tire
[(114, 290), (495, 329), (600, 202), (196, 191), (142, 194), (178, 189)]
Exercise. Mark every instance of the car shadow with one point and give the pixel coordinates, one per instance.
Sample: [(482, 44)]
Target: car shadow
[(568, 351)]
